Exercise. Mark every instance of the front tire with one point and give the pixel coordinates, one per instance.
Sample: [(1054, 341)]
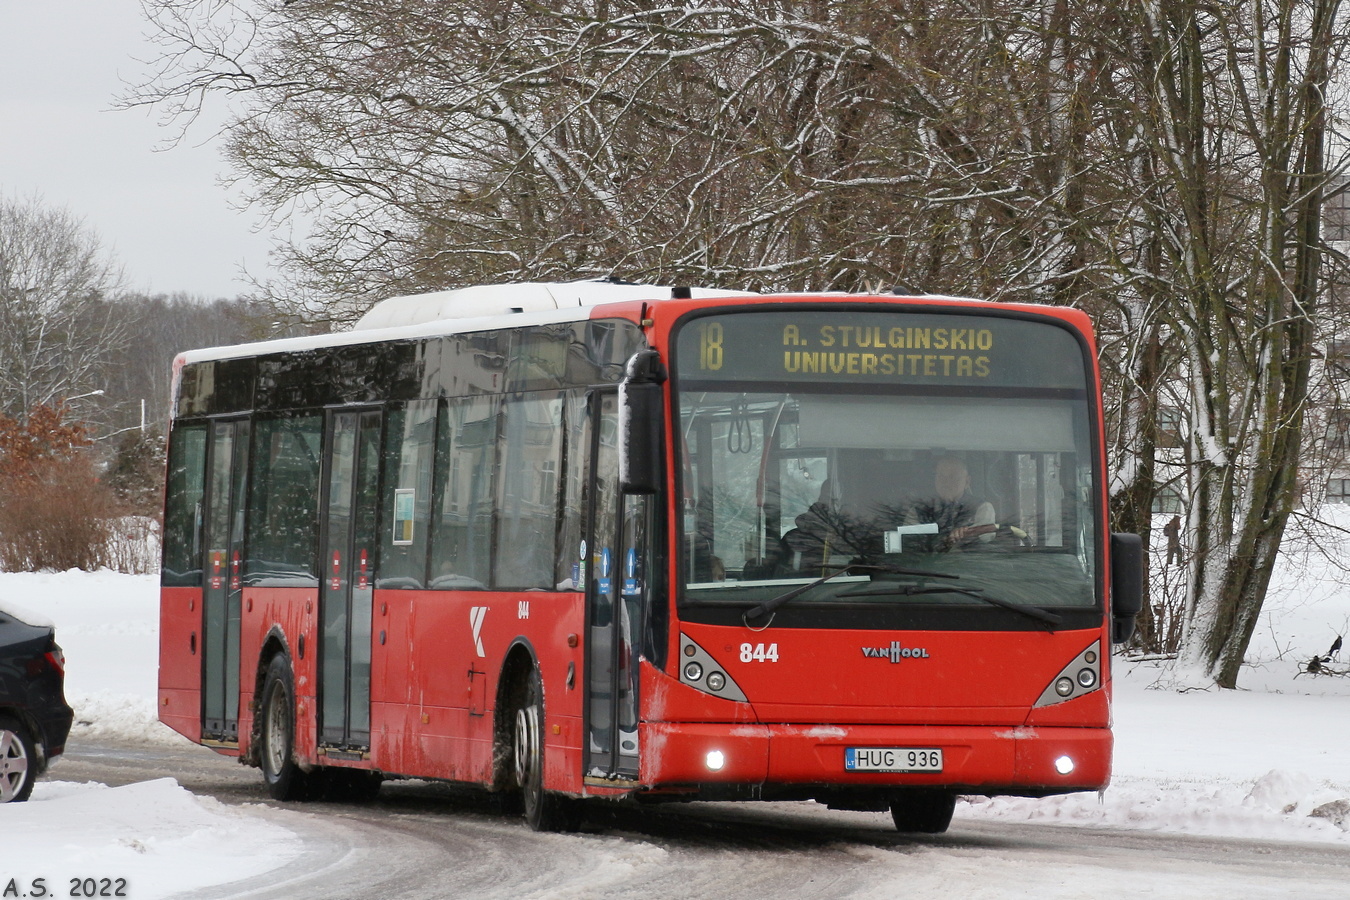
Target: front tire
[(543, 810), (285, 779), (923, 811), (18, 761)]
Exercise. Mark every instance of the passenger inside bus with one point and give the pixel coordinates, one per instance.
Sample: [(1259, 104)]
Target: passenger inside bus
[(823, 536)]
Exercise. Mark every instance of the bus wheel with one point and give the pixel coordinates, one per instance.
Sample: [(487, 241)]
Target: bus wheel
[(285, 780), (923, 811), (18, 761), (544, 810)]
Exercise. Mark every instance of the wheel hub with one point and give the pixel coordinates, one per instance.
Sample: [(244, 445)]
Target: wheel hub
[(13, 766)]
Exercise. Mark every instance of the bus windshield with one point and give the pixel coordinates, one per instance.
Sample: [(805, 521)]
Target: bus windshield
[(947, 457)]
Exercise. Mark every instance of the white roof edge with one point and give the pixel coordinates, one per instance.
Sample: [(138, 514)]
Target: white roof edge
[(435, 328), (483, 308), (465, 310), (505, 299)]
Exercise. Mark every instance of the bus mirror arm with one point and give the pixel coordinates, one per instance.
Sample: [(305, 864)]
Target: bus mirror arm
[(640, 416), (1127, 584)]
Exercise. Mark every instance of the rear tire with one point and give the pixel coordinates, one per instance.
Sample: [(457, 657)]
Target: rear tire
[(18, 761), (543, 810), (923, 811), (285, 779)]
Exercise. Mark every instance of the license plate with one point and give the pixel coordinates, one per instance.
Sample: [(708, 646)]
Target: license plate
[(892, 759)]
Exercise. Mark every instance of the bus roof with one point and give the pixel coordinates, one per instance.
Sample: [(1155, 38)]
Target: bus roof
[(465, 310), (488, 307), (505, 299)]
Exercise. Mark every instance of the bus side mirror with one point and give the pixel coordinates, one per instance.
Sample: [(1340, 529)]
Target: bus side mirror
[(640, 417), (1127, 584)]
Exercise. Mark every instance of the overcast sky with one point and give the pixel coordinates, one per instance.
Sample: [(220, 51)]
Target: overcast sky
[(163, 214)]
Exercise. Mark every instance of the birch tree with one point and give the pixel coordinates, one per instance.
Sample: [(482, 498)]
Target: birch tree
[(1238, 114)]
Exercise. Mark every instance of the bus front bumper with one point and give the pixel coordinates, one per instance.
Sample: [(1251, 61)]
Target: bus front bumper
[(975, 759)]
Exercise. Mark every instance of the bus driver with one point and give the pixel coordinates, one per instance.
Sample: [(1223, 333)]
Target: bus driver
[(961, 518)]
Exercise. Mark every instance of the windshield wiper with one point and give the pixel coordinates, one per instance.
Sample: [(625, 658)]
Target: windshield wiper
[(768, 607), (909, 590)]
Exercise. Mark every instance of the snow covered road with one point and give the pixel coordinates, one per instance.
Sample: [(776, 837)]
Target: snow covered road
[(1214, 796), (422, 840)]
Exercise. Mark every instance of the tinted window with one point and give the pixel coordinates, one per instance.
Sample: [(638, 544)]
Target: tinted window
[(531, 454), (283, 504), (183, 507), (461, 557), (573, 468), (410, 444)]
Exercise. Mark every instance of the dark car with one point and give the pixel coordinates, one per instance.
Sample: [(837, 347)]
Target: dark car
[(34, 715)]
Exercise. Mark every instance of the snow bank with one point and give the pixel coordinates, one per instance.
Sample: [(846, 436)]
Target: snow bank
[(159, 837), (1269, 761), (108, 625)]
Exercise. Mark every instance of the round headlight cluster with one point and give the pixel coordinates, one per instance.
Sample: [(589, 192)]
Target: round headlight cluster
[(693, 672), (1064, 686), (1086, 678)]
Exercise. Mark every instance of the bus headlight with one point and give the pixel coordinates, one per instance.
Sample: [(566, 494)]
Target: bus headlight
[(1064, 765), (716, 760), (701, 671), (1082, 675)]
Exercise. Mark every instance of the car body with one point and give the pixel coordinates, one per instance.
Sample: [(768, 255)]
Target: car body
[(34, 716)]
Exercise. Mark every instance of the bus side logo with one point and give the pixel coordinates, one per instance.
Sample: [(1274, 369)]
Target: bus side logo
[(476, 616)]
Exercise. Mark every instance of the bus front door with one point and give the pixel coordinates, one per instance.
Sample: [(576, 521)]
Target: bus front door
[(348, 581), (616, 590), (223, 541)]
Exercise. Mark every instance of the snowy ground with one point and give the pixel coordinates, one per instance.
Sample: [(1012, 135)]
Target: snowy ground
[(1271, 760)]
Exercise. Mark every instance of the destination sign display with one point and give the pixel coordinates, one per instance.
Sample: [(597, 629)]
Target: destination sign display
[(886, 347)]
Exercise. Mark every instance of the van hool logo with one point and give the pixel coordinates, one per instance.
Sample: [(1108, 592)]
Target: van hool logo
[(895, 652)]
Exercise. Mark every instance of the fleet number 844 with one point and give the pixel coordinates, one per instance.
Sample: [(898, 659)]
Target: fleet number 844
[(759, 653)]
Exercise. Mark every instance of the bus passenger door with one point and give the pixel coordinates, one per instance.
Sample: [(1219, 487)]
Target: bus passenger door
[(223, 526), (615, 594), (347, 586)]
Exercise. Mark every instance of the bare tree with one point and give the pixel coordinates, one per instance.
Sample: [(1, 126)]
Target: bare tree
[(56, 326), (1236, 109), (1158, 162), (761, 144)]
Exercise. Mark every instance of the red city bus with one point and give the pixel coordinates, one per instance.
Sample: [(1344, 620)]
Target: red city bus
[(599, 540)]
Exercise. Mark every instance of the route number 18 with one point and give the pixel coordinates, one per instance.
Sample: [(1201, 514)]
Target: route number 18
[(710, 346)]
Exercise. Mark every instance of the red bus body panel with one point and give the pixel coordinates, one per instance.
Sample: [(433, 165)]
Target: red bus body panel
[(180, 663), (433, 698), (434, 683)]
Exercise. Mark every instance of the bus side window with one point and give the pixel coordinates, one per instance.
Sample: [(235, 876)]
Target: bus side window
[(409, 456), (283, 501), (182, 564), (466, 463), (530, 451), (567, 569)]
